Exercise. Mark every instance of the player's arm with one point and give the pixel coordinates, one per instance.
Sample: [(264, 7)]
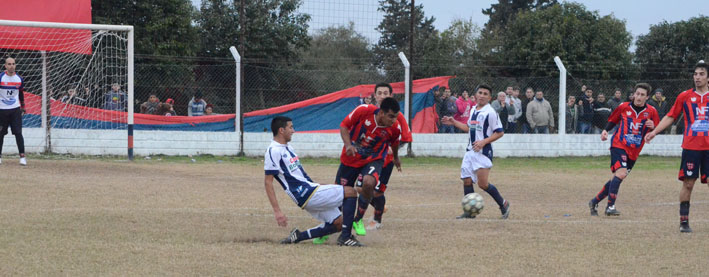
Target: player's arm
[(280, 217), (613, 120), (664, 123), (21, 92), (478, 145), (447, 120), (346, 126)]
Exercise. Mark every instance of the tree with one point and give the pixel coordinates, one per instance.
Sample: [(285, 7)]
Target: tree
[(505, 10), (162, 27), (338, 48), (592, 46), (395, 30), (273, 30), (670, 50)]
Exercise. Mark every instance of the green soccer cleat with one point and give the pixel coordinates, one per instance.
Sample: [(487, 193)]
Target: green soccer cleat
[(320, 240), (358, 227)]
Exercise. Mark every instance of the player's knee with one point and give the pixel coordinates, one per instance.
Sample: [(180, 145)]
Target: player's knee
[(369, 182), (337, 224), (689, 183), (378, 193), (621, 174), (350, 192), (482, 186)]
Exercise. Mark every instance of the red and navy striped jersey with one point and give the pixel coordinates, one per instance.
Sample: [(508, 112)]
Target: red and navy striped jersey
[(630, 135), (405, 136), (372, 141), (694, 107)]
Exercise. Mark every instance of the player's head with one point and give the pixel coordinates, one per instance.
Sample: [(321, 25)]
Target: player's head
[(10, 65), (388, 111), (381, 91), (483, 94), (700, 74), (282, 127), (641, 94)]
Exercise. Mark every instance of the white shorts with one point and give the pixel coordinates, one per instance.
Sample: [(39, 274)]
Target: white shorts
[(324, 204), (472, 161)]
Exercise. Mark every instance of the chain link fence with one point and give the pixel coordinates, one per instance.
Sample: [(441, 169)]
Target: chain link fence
[(268, 85)]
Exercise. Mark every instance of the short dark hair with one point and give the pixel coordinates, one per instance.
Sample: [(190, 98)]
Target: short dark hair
[(390, 104), (279, 122), (387, 85), (645, 86), (702, 64), (485, 86)]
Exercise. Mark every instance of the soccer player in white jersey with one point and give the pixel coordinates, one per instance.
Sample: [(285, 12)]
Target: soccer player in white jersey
[(321, 201), (483, 127), (12, 106)]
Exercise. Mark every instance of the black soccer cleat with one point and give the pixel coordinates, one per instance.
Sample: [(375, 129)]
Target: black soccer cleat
[(684, 227), (505, 210), (292, 237), (593, 207), (465, 216), (351, 241), (611, 211)]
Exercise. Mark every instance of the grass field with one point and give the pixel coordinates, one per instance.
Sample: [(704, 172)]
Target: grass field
[(170, 216)]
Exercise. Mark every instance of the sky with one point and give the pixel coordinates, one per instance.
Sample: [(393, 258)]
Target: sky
[(639, 15)]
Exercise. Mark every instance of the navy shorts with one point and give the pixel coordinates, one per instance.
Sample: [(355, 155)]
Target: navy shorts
[(11, 118), (619, 159), (695, 164), (384, 178), (347, 176)]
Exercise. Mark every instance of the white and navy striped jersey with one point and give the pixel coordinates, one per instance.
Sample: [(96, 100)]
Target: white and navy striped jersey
[(10, 89), (282, 162), (482, 124)]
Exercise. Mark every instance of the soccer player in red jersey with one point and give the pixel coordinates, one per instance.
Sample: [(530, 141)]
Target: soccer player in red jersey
[(381, 92), (634, 120), (367, 133), (694, 105)]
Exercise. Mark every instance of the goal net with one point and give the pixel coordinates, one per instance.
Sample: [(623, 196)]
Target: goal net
[(76, 76)]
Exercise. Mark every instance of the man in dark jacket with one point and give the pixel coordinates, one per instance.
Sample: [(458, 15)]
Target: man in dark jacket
[(659, 101), (528, 97), (585, 112)]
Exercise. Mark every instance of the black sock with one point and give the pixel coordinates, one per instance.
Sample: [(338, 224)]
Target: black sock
[(349, 204), (378, 203), (601, 194), (613, 190), (684, 211), (468, 189), (362, 205), (492, 190), (316, 232)]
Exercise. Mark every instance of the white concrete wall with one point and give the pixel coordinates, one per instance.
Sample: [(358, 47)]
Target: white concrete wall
[(114, 142)]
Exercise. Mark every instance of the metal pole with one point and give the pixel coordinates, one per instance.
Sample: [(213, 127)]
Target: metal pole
[(45, 108), (407, 86), (237, 119), (242, 51), (562, 95), (410, 77), (130, 103)]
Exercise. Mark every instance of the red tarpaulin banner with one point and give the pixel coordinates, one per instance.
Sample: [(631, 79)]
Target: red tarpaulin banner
[(47, 39)]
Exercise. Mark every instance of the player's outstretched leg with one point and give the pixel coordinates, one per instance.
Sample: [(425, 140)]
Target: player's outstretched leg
[(613, 193), (358, 225), (379, 203)]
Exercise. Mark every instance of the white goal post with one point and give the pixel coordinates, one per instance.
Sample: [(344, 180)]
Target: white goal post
[(60, 60)]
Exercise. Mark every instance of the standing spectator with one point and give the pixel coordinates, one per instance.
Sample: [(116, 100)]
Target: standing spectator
[(115, 99), (446, 107), (71, 98), (585, 112), (616, 100), (572, 115), (540, 115), (503, 109), (197, 105), (601, 112), (528, 97), (12, 106), (659, 101), (513, 100), (150, 106), (464, 104)]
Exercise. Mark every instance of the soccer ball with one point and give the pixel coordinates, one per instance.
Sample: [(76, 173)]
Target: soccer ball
[(472, 203)]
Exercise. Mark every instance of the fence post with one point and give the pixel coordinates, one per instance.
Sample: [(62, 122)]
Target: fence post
[(237, 119), (562, 95), (407, 90)]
